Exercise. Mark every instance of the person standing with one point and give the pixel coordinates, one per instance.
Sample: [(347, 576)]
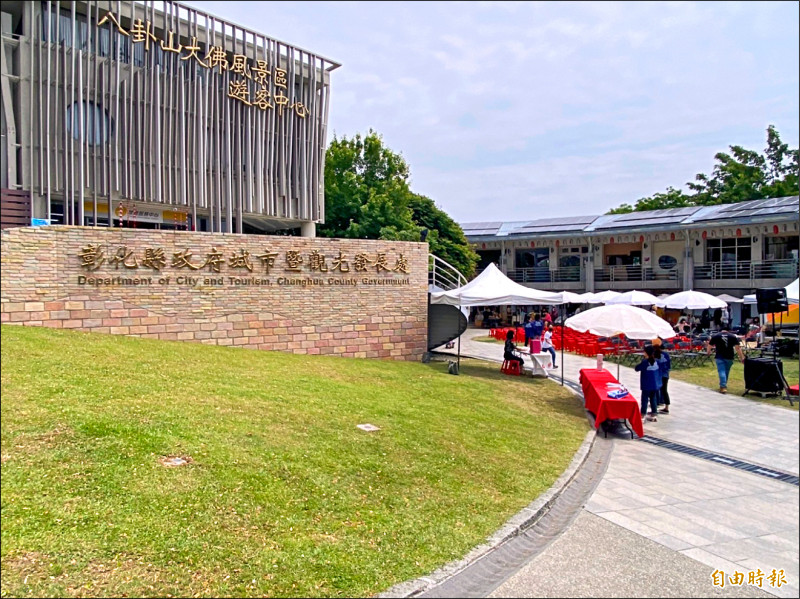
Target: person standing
[(725, 343), (726, 318), (533, 329), (547, 342), (665, 365), (649, 382)]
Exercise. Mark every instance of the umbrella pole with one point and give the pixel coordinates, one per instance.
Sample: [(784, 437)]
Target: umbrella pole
[(562, 349)]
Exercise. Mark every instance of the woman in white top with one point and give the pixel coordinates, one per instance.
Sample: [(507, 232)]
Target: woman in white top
[(547, 342)]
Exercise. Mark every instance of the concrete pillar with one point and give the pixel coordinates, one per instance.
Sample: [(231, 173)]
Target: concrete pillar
[(688, 262), (308, 229)]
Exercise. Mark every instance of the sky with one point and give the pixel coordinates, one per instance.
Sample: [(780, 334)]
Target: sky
[(520, 110)]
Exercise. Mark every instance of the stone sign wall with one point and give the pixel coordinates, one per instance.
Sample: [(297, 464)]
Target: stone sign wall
[(346, 297)]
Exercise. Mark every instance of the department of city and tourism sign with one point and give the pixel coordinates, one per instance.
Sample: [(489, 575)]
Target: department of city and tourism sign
[(126, 266)]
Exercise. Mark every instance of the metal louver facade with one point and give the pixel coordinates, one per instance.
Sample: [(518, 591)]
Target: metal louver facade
[(113, 109)]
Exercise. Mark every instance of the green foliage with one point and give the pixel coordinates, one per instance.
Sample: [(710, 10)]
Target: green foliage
[(445, 237), (284, 496), (739, 176), (367, 196), (366, 191)]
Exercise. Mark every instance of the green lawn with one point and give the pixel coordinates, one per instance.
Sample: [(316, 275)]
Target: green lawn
[(488, 340), (706, 376), (284, 496)]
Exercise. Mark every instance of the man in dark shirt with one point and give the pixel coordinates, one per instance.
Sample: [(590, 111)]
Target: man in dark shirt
[(725, 343)]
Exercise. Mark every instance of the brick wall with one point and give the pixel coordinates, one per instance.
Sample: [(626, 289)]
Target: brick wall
[(100, 280)]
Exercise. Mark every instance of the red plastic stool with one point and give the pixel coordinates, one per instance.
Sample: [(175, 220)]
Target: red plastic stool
[(510, 367), (794, 390)]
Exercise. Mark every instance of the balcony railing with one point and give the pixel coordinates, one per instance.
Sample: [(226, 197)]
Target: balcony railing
[(766, 269), (607, 274), (543, 274)]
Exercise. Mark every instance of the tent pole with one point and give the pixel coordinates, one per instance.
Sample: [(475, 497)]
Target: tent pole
[(458, 359), (563, 321)]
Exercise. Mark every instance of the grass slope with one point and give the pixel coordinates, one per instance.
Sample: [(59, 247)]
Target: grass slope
[(284, 496)]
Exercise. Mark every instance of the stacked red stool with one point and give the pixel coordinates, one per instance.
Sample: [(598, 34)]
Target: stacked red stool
[(510, 367)]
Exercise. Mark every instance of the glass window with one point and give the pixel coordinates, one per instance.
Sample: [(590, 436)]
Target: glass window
[(781, 248), (729, 250), (667, 262), (567, 261), (97, 127)]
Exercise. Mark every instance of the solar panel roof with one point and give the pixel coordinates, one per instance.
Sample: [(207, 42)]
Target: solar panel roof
[(647, 218), (635, 220), (755, 208), (554, 225), (481, 228)]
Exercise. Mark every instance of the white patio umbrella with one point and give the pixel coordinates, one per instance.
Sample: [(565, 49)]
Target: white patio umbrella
[(634, 298), (604, 296), (619, 319), (692, 300)]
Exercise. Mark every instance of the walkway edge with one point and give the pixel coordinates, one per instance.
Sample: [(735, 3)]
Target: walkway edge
[(518, 523)]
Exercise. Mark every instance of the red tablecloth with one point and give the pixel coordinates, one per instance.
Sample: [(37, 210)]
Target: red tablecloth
[(604, 407)]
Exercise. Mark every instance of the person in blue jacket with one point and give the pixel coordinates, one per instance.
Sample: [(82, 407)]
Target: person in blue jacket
[(665, 364), (650, 383), (533, 329)]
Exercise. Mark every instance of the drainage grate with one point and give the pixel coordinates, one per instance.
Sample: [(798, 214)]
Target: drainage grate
[(784, 477)]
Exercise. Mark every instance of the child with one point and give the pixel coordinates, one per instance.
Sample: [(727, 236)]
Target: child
[(665, 365), (650, 383), (510, 349)]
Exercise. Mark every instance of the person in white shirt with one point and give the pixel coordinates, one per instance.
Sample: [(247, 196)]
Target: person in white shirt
[(547, 342)]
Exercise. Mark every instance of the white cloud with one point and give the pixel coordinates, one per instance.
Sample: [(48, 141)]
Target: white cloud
[(522, 109)]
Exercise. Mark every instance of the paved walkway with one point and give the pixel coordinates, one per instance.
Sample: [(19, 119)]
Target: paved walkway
[(676, 506)]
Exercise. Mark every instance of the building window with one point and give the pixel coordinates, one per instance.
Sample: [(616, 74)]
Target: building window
[(729, 250), (97, 126), (781, 248), (667, 262)]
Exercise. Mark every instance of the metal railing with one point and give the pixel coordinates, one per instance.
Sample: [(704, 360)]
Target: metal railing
[(444, 275), (543, 274), (747, 270), (606, 274)]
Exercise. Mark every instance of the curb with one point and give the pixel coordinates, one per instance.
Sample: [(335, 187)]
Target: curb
[(518, 523)]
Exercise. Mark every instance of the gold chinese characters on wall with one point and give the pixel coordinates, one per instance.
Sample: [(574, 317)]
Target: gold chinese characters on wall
[(258, 72), (94, 256)]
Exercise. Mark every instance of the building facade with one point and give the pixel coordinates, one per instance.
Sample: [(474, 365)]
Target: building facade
[(157, 115), (732, 248)]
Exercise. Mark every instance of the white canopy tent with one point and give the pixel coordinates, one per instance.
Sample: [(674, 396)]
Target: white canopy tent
[(568, 297), (493, 288), (729, 299)]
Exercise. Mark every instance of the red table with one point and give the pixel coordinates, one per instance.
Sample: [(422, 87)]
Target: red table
[(604, 407)]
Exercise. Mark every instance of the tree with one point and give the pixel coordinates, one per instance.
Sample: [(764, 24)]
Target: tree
[(367, 196), (446, 238), (739, 176)]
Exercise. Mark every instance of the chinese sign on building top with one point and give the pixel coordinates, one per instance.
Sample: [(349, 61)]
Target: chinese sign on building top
[(217, 58)]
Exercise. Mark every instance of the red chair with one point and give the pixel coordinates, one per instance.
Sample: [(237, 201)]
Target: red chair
[(510, 367)]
